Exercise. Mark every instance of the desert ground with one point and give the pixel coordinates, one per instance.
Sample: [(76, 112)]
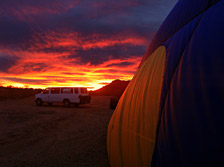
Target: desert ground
[(53, 136)]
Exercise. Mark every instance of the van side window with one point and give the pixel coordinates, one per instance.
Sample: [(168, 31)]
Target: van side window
[(76, 90), (55, 90), (66, 90)]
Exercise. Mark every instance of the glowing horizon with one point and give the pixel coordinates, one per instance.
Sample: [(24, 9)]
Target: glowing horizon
[(75, 43)]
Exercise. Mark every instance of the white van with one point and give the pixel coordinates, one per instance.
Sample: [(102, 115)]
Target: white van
[(65, 95)]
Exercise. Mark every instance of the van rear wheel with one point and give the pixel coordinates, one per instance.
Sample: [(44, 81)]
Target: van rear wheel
[(66, 103), (76, 104), (39, 102)]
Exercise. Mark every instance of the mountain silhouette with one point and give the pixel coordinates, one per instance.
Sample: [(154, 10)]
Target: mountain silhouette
[(115, 88)]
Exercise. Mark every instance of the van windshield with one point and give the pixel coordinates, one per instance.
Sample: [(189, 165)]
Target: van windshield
[(45, 91)]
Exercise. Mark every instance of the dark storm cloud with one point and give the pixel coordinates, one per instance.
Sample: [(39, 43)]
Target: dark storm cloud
[(13, 33), (6, 62), (72, 73), (88, 16), (28, 25), (41, 81), (107, 71), (53, 49), (122, 64), (26, 81), (33, 7), (32, 67), (96, 56), (112, 17), (112, 71)]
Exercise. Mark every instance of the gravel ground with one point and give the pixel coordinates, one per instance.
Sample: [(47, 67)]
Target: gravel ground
[(53, 136)]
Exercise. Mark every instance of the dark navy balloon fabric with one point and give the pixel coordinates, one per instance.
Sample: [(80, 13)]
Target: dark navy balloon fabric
[(183, 13), (190, 131)]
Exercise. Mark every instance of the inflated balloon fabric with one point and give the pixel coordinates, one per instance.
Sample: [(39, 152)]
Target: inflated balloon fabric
[(171, 114)]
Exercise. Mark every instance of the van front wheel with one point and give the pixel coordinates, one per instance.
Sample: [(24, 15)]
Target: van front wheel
[(66, 103), (39, 102)]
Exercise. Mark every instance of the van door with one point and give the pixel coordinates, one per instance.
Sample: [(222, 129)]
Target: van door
[(54, 95), (45, 95), (67, 93), (76, 95)]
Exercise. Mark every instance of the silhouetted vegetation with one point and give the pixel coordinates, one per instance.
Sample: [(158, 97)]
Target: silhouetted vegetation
[(17, 93)]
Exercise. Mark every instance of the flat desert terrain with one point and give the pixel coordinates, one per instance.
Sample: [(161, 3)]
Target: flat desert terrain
[(53, 136)]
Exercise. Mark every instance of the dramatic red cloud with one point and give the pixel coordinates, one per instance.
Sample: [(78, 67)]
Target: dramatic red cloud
[(37, 68), (25, 9), (58, 39), (62, 75), (75, 43)]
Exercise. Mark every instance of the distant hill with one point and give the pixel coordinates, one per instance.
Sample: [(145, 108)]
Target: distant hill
[(115, 88)]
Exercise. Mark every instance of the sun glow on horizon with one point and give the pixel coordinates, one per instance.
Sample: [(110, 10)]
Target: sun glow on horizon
[(89, 86), (59, 72), (92, 77)]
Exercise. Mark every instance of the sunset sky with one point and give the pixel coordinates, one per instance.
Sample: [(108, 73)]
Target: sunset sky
[(75, 42)]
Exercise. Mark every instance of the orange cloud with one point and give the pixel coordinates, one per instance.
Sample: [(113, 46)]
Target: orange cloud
[(37, 67), (47, 69), (74, 43), (70, 58)]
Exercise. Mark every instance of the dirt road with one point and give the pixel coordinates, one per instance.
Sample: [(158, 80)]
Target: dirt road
[(53, 136)]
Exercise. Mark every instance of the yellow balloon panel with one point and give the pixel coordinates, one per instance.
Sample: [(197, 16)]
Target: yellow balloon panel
[(132, 128)]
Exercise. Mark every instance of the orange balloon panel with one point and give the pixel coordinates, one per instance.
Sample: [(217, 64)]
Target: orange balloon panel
[(132, 128)]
